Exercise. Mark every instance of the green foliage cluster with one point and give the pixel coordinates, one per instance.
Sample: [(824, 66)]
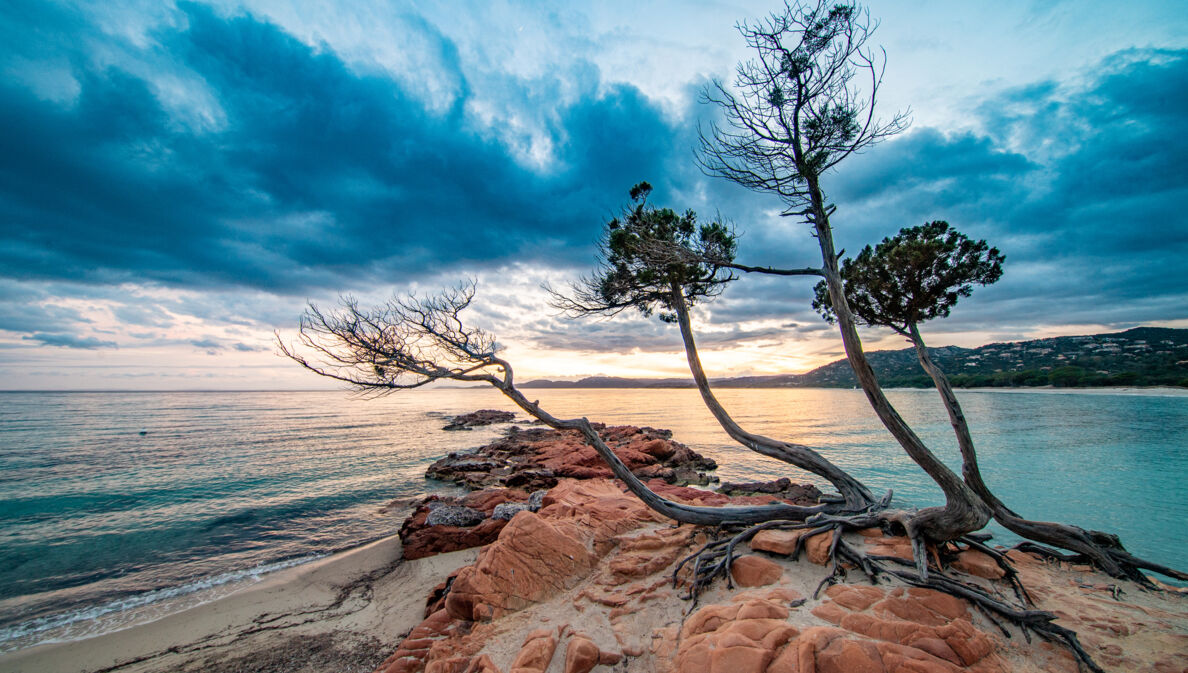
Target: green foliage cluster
[(914, 276), (648, 249)]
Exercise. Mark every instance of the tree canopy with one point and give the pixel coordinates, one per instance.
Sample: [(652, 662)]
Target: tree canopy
[(913, 276), (647, 251)]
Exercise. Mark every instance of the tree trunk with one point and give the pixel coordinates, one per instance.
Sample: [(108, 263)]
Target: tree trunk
[(707, 516), (1103, 549), (856, 496), (963, 512)]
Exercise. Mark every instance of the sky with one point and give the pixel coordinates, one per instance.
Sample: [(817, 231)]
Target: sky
[(179, 180)]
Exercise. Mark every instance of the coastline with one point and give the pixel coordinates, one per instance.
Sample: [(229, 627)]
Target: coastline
[(347, 607)]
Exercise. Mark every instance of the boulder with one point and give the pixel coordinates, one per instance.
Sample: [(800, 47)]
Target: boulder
[(741, 637), (479, 418), (782, 542), (506, 510), (581, 655), (532, 559), (423, 534), (753, 571), (454, 515), (536, 653)]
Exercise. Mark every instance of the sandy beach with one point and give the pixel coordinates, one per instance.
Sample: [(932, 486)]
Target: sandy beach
[(342, 613)]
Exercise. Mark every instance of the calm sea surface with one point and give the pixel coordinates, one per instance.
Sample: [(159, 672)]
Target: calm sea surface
[(102, 527)]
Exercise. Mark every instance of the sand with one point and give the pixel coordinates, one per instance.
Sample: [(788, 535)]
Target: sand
[(344, 613)]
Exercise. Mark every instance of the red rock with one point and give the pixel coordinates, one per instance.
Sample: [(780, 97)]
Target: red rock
[(922, 606), (817, 548), (735, 638), (536, 653), (752, 571), (581, 655), (646, 554), (854, 597), (844, 655), (533, 558), (741, 659), (687, 495), (937, 648), (784, 542), (537, 458), (969, 643), (830, 612), (1020, 559), (757, 608), (451, 665), (978, 564), (899, 546), (609, 658), (482, 664), (419, 540), (779, 595), (708, 619), (776, 541)]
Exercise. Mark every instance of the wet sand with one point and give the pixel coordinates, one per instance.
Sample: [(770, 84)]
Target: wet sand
[(344, 613)]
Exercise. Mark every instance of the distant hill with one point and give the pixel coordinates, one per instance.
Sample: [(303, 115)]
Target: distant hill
[(1143, 356)]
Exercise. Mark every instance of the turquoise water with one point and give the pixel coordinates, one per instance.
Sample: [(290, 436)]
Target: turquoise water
[(101, 526)]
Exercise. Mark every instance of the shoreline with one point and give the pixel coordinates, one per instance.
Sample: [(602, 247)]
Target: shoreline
[(346, 607)]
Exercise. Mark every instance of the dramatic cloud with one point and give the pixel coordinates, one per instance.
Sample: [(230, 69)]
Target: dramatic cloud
[(180, 178), (308, 173)]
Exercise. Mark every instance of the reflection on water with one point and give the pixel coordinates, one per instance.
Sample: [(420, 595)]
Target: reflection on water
[(93, 514)]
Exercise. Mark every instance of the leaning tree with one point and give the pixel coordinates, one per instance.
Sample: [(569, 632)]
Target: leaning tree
[(918, 275), (800, 107), (654, 259)]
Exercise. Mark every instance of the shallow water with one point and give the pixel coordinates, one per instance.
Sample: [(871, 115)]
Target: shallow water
[(101, 526)]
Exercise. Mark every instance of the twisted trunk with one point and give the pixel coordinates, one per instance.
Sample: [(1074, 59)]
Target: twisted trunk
[(707, 516), (1104, 550), (855, 495), (963, 511)]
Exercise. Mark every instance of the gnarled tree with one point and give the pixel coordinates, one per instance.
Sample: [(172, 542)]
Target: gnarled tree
[(803, 105), (411, 342), (918, 275), (654, 259)]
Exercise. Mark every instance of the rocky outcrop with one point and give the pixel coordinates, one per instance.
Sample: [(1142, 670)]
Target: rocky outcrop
[(443, 524), (478, 418), (537, 458), (782, 488), (883, 629), (586, 584)]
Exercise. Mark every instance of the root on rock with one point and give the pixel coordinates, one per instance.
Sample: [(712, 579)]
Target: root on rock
[(714, 559)]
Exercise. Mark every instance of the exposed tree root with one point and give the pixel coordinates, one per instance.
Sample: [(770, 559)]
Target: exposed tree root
[(714, 559)]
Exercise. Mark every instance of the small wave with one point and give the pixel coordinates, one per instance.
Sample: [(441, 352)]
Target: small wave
[(58, 628)]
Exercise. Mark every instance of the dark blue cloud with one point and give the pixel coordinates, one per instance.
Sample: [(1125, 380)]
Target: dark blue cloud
[(292, 173), (316, 176)]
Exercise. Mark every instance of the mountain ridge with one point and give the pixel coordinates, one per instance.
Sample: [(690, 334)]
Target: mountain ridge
[(1134, 357)]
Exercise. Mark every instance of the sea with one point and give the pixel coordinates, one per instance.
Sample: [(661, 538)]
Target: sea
[(117, 508)]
